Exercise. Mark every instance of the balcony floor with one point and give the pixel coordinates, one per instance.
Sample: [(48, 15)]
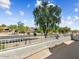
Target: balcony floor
[(65, 51)]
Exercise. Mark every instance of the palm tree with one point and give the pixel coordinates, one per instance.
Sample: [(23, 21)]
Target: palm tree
[(47, 16)]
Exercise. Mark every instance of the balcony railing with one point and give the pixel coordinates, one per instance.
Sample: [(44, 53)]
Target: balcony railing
[(11, 42)]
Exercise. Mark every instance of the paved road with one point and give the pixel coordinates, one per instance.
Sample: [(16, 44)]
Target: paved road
[(65, 51)]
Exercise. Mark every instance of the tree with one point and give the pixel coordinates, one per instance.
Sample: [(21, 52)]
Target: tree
[(47, 16), (21, 27), (67, 29), (3, 25), (1, 28), (38, 30), (27, 28), (64, 30), (13, 27)]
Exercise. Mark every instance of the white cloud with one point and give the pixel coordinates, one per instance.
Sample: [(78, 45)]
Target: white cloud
[(49, 2), (69, 17), (32, 21), (76, 17), (62, 17), (38, 3), (9, 12), (21, 13), (24, 21), (75, 28), (28, 5), (66, 23), (70, 22), (5, 4), (76, 9)]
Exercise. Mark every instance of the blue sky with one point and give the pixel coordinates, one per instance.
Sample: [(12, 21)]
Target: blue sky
[(12, 11)]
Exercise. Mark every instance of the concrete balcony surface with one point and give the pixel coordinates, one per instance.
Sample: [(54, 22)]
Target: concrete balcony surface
[(70, 50)]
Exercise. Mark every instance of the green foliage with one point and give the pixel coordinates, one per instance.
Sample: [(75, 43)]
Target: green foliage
[(27, 28), (3, 25), (38, 30), (21, 27), (47, 16), (13, 27), (1, 28), (64, 30), (2, 46)]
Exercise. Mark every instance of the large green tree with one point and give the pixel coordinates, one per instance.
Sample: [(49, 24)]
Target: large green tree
[(47, 16)]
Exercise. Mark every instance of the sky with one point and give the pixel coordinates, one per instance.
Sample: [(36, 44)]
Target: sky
[(12, 11)]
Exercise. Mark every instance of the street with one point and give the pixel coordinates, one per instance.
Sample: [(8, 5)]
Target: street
[(64, 51)]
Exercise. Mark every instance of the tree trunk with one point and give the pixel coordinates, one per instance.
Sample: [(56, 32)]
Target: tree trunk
[(45, 34)]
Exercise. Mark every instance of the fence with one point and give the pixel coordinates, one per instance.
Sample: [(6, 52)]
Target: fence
[(28, 51), (75, 37), (11, 42)]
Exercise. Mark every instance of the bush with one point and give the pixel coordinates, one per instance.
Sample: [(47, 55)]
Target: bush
[(2, 46), (1, 29)]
